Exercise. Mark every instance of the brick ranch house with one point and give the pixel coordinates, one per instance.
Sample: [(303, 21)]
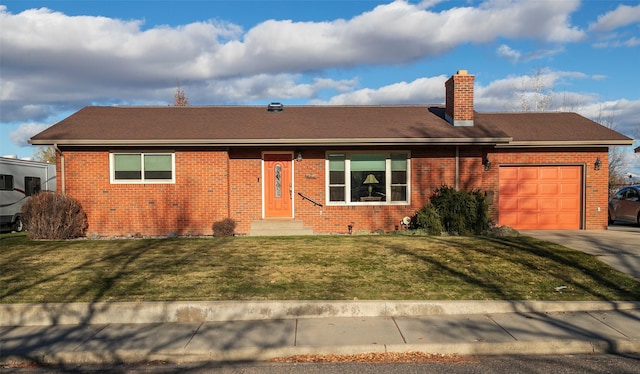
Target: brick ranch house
[(160, 170)]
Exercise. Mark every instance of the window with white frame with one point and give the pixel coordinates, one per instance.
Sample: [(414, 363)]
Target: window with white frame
[(367, 178), (142, 167)]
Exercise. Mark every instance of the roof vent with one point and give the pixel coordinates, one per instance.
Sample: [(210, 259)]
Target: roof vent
[(275, 107)]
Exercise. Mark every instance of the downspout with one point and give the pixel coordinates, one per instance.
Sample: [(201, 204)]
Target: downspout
[(62, 171), (457, 177), (228, 182)]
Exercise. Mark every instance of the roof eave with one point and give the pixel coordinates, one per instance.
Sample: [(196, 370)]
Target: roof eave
[(565, 144), (270, 142)]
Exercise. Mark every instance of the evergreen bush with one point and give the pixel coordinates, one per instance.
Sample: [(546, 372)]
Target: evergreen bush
[(428, 219), (457, 212)]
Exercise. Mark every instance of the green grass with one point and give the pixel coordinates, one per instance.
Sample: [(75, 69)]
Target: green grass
[(390, 267)]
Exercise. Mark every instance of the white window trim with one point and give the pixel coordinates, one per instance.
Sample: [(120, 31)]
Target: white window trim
[(142, 180), (347, 171)]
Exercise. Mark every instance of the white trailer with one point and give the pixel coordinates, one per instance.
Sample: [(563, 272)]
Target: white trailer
[(20, 179)]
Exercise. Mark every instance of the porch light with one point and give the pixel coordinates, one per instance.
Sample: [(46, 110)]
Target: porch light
[(370, 181), (487, 164), (299, 156), (598, 164)]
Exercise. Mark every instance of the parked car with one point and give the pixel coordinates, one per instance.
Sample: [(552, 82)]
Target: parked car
[(625, 205)]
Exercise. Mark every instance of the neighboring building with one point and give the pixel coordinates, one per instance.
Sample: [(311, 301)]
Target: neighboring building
[(156, 170), (19, 179)]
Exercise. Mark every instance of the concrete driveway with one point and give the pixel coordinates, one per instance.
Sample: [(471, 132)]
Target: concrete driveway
[(618, 247)]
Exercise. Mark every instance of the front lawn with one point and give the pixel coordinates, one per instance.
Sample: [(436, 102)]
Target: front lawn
[(376, 267)]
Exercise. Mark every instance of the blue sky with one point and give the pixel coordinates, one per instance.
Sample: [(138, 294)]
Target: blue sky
[(58, 56)]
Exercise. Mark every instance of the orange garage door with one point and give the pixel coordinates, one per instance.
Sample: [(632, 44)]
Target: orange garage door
[(540, 197)]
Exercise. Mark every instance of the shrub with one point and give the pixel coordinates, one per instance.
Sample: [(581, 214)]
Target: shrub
[(457, 212), (225, 227), (54, 216), (461, 212), (428, 220)]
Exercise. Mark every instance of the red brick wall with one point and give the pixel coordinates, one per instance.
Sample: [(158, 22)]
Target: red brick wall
[(188, 207), (215, 184)]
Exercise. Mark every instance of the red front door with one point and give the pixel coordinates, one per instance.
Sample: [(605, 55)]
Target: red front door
[(277, 185)]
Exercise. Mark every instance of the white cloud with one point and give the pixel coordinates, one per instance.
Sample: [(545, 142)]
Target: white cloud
[(422, 90), (24, 132), (100, 59), (509, 53), (630, 43), (622, 16), (514, 55)]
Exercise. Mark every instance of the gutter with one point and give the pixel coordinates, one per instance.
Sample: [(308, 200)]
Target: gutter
[(273, 142), (565, 144), (62, 170)]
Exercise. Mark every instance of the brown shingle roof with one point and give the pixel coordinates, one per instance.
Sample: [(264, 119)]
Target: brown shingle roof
[(246, 125), (551, 128)]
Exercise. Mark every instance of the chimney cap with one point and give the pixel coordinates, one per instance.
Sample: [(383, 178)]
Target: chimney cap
[(462, 72)]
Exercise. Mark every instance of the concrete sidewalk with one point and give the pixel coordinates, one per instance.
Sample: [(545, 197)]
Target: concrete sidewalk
[(226, 331)]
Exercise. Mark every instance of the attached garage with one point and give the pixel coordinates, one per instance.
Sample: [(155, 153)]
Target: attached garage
[(540, 197)]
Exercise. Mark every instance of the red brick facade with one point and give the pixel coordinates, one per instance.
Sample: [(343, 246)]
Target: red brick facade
[(213, 184)]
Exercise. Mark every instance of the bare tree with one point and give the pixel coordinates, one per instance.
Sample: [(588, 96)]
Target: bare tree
[(535, 93), (617, 161), (45, 154), (179, 98)]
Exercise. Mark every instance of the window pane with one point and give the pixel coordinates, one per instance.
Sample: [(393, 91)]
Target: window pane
[(336, 193), (399, 161), (336, 177), (157, 175), (278, 180), (31, 185), (157, 162), (398, 177), (127, 162), (336, 162), (128, 174), (6, 182), (157, 166), (367, 162), (398, 193), (373, 190)]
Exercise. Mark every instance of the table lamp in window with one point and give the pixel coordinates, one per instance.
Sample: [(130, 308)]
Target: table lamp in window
[(369, 182)]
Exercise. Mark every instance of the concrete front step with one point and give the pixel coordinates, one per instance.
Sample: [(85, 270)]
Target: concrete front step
[(268, 227)]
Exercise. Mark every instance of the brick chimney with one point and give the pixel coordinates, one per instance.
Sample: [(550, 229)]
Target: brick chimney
[(459, 100)]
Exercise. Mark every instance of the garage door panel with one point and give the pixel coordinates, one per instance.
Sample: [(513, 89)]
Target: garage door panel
[(508, 205), (527, 219), (569, 189), (542, 197), (529, 189), (509, 175), (528, 204), (550, 189), (528, 174), (569, 205), (550, 173), (510, 189), (570, 173), (548, 204), (548, 219)]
